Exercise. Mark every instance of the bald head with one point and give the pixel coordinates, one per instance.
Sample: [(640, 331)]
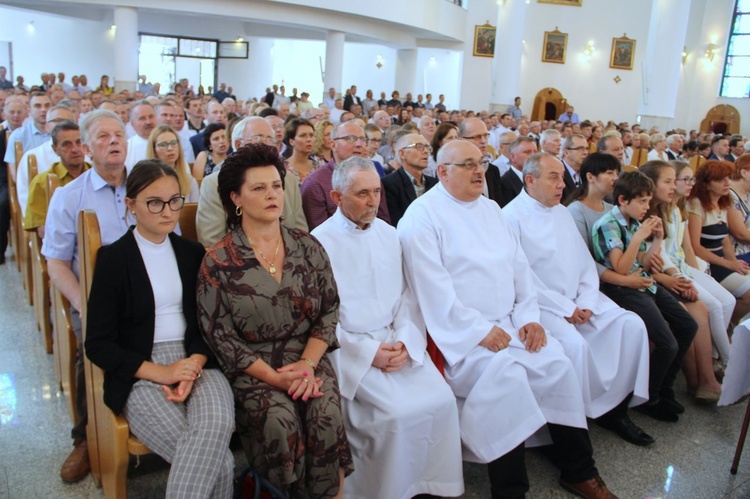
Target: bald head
[(461, 170)]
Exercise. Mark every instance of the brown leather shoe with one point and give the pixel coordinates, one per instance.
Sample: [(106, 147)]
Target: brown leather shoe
[(590, 489), (76, 466)]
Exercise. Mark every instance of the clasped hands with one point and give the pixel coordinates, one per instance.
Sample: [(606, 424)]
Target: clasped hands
[(299, 381), (178, 378), (532, 334), (390, 357), (579, 316)]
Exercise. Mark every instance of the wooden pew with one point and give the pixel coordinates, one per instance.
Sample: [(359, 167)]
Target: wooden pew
[(15, 213), (187, 221), (40, 279), (24, 239), (109, 440)]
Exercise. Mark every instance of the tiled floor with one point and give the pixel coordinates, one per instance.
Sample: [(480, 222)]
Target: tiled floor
[(690, 459)]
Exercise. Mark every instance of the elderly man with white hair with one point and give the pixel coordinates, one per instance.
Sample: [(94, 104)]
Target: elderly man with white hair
[(210, 220), (607, 345), (550, 142), (427, 127), (401, 416), (102, 189)]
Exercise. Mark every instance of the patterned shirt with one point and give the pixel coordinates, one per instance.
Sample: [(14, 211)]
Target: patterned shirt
[(612, 231)]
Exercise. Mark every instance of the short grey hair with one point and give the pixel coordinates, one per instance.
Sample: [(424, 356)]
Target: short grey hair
[(533, 164), (548, 134), (424, 118), (673, 137), (93, 117), (568, 141), (239, 129), (139, 103), (342, 173)]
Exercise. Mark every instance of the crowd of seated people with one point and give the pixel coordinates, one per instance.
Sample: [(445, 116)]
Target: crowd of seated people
[(424, 220)]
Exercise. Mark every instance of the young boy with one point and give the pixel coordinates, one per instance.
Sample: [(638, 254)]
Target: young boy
[(618, 242)]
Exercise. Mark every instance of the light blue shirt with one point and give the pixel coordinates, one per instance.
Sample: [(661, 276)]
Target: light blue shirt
[(89, 191), (28, 135)]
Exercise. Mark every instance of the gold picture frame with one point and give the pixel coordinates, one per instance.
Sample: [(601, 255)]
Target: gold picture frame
[(555, 47), (623, 53), (484, 40), (572, 3)]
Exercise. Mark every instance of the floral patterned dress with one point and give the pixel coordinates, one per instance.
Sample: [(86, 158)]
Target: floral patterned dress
[(316, 160), (245, 315)]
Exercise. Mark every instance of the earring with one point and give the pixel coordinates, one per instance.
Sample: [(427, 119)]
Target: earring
[(210, 149), (238, 211)]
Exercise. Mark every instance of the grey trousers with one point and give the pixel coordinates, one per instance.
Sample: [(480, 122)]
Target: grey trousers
[(193, 436)]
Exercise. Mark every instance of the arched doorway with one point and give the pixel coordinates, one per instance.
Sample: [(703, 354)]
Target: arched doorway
[(724, 119), (548, 104)]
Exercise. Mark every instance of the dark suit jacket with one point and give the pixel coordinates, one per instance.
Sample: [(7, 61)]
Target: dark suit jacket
[(715, 157), (348, 101), (494, 184), (399, 192), (511, 187), (672, 156), (197, 142), (570, 184), (121, 313)]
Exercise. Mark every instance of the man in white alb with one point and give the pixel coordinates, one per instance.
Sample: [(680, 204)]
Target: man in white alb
[(401, 416), (474, 287), (607, 344)]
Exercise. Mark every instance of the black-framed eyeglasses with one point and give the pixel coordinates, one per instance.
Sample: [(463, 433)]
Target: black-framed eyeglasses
[(260, 139), (156, 206), (352, 139), (167, 145), (419, 146), (471, 165), (687, 180), (481, 136)]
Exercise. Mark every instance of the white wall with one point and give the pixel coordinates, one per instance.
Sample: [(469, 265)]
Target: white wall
[(360, 68), (441, 75), (475, 73), (57, 43), (587, 84)]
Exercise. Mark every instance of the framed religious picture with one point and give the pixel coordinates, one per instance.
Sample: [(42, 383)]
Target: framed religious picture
[(484, 40), (623, 53), (555, 47), (574, 3)]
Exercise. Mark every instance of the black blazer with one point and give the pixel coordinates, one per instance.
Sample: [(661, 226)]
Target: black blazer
[(121, 313), (511, 187), (349, 101), (570, 184), (494, 184), (197, 142), (399, 192)]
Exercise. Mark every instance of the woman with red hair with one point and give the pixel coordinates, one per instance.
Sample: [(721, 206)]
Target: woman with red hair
[(709, 232)]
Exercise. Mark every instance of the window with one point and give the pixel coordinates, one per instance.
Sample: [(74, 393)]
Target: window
[(736, 80)]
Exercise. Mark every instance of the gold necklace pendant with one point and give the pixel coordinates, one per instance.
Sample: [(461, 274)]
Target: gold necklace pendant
[(271, 266)]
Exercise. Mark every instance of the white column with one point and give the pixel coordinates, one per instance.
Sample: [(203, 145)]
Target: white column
[(334, 63), (506, 65), (126, 49), (663, 62), (406, 72)]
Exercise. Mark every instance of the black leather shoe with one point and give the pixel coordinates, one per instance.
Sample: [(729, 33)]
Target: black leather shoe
[(626, 429), (672, 404), (659, 411)]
